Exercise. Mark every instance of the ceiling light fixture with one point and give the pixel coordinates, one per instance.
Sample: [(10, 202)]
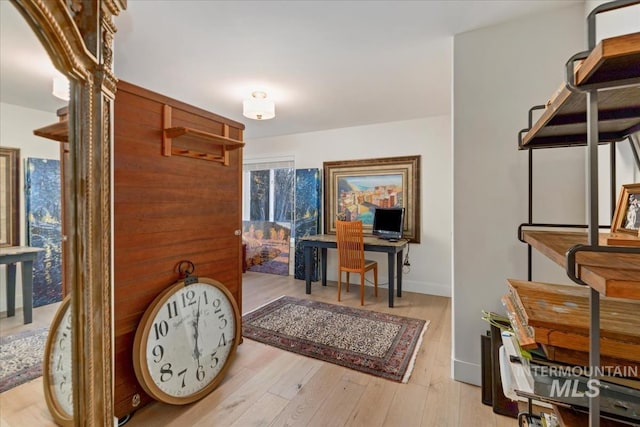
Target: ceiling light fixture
[(258, 107), (61, 87)]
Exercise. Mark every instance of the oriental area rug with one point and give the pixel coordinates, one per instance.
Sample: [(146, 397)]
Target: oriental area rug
[(21, 357), (379, 344)]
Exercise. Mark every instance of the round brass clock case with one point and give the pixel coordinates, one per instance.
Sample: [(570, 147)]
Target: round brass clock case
[(186, 341), (57, 366)]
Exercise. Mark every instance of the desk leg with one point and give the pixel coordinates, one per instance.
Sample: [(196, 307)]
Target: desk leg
[(27, 290), (399, 268), (324, 266), (391, 267), (11, 290), (307, 268)]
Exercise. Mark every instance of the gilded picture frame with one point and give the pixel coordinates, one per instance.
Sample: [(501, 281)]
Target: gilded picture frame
[(354, 188), (626, 218), (78, 38), (9, 196)]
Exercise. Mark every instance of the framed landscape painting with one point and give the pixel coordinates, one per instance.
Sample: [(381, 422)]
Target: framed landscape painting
[(355, 188)]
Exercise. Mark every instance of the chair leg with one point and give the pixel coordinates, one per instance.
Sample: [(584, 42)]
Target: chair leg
[(339, 283), (348, 281), (362, 288), (375, 279)]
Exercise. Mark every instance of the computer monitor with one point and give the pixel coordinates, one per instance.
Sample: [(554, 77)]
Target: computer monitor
[(388, 223)]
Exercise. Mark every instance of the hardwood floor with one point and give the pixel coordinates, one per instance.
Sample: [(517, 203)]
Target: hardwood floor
[(270, 387), (41, 317)]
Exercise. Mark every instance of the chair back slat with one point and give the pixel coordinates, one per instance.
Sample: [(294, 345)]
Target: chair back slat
[(350, 242)]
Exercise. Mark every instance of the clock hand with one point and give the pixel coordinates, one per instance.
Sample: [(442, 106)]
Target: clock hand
[(196, 352)]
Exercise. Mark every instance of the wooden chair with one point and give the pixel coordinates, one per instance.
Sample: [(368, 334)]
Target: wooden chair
[(350, 242)]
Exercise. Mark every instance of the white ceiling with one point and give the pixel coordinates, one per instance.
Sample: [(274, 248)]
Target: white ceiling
[(327, 64)]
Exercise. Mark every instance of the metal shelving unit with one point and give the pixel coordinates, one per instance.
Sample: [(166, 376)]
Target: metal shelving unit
[(599, 103)]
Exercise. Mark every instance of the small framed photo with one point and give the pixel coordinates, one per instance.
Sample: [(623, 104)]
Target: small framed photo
[(627, 216)]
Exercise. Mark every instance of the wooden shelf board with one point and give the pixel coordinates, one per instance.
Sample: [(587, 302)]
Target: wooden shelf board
[(612, 274), (611, 60), (229, 143), (622, 283), (563, 122), (58, 131), (195, 143)]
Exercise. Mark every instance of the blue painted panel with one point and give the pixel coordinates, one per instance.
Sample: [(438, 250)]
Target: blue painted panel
[(307, 216), (44, 228)]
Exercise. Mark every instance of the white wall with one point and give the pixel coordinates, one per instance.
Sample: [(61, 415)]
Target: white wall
[(499, 73), (16, 131), (430, 271), (614, 22)]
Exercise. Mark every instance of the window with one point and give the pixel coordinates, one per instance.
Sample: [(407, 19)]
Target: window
[(267, 213), (268, 189)]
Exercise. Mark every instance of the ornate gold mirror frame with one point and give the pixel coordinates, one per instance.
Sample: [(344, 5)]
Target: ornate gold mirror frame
[(78, 36)]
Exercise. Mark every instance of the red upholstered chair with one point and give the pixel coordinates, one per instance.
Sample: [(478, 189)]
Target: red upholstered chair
[(350, 242)]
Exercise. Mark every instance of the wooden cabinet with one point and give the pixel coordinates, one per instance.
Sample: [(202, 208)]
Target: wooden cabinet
[(599, 103), (168, 209), (177, 195)]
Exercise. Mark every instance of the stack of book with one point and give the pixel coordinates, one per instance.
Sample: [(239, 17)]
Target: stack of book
[(551, 324)]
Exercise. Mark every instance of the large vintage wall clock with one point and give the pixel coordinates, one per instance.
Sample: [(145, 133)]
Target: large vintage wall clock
[(56, 369), (186, 340)]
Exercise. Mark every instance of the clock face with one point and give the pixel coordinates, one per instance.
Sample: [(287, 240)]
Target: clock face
[(187, 341), (60, 364), (57, 369)]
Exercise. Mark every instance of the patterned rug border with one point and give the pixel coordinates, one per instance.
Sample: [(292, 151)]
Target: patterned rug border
[(27, 373), (390, 367)]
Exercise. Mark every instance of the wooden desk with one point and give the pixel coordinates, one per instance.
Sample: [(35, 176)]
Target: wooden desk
[(372, 244), (11, 256)]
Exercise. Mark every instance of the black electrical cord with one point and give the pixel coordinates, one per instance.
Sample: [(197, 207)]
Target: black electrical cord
[(406, 265)]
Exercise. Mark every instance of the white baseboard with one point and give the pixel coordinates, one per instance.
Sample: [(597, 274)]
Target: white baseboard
[(466, 372), (429, 288), (426, 288)]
